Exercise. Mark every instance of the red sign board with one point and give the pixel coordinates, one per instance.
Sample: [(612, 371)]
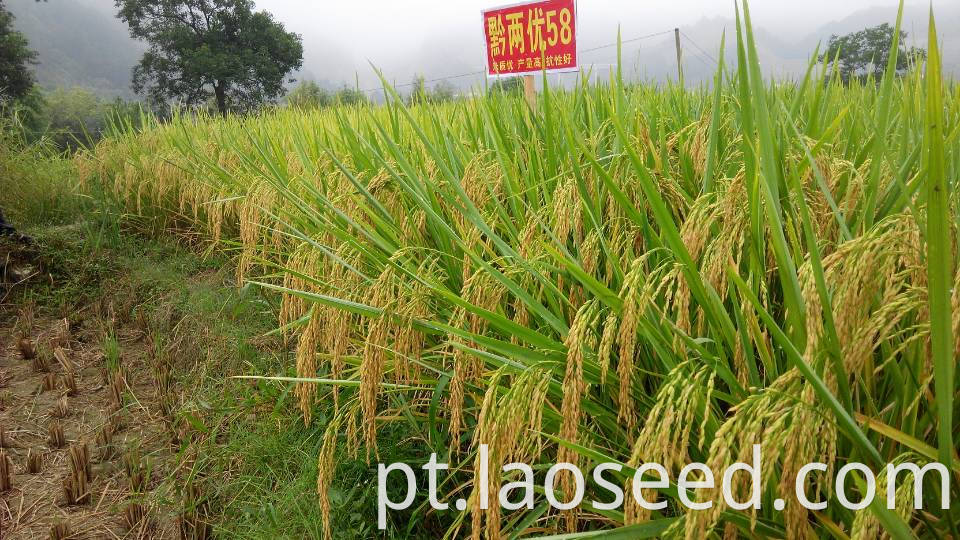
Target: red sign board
[(530, 37)]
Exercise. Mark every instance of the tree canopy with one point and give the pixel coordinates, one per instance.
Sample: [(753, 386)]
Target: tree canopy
[(421, 95), (309, 95), (507, 85), (202, 50), (16, 79), (865, 53)]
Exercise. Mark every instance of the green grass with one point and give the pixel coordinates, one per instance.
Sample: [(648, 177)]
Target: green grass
[(38, 182)]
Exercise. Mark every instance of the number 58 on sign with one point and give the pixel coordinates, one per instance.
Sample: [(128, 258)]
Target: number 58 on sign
[(530, 37)]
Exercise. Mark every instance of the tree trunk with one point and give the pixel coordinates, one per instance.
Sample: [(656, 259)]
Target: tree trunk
[(219, 88)]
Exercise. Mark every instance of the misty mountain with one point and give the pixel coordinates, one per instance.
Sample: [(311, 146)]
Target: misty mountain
[(915, 23), (81, 43), (654, 59), (78, 43), (787, 59)]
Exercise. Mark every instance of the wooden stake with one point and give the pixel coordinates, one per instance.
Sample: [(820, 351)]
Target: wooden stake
[(530, 91), (676, 35)]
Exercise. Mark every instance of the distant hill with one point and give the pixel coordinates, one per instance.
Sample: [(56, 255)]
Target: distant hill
[(81, 43), (789, 59), (915, 22), (78, 43)]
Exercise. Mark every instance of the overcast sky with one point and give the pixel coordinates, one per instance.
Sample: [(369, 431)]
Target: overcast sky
[(443, 37), (370, 24)]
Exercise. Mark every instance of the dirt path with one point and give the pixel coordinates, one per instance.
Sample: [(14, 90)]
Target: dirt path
[(59, 377)]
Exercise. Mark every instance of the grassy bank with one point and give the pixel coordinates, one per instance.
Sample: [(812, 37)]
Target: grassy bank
[(245, 440)]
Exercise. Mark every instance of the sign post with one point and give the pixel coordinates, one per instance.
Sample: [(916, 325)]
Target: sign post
[(530, 37), (529, 91)]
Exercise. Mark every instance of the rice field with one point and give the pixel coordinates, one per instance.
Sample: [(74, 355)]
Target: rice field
[(627, 273)]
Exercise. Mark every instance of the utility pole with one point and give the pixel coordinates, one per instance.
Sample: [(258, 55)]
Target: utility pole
[(676, 35)]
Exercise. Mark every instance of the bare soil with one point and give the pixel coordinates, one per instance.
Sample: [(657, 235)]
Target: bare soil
[(141, 433)]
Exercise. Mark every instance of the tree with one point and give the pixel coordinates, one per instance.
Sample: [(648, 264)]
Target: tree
[(507, 85), (421, 95), (218, 50), (309, 95), (865, 53), (350, 96), (16, 79), (444, 91)]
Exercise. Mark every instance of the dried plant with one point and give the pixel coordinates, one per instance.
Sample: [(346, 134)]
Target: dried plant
[(62, 336), (56, 438), (69, 382), (163, 377), (177, 428), (61, 531), (26, 317), (117, 418), (133, 514), (4, 438), (165, 398), (167, 407), (41, 360), (64, 359), (141, 319), (137, 471), (61, 409), (118, 385), (49, 383), (6, 472), (192, 522), (34, 461), (104, 442), (76, 488), (80, 459), (28, 350)]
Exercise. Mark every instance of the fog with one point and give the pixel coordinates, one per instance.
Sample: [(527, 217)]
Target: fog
[(80, 42), (442, 38)]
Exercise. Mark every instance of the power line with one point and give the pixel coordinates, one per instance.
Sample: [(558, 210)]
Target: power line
[(438, 79), (699, 57), (699, 48), (475, 73), (631, 40)]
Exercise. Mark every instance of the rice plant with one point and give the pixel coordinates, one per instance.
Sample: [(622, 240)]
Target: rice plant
[(626, 273)]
